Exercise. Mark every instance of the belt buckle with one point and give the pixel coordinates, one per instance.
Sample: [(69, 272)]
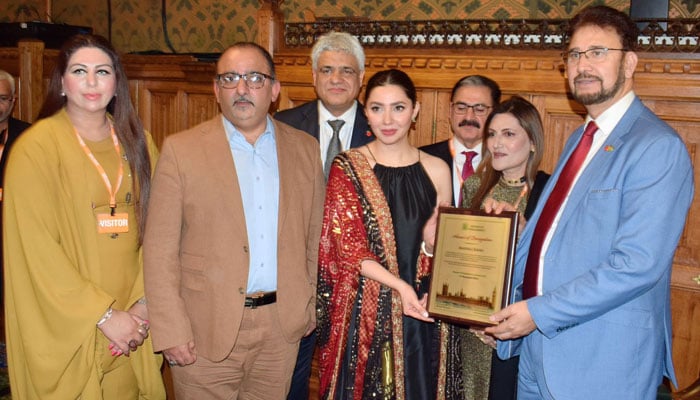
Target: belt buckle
[(254, 299)]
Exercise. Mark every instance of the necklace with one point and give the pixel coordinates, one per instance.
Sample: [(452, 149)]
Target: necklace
[(522, 194), (513, 182)]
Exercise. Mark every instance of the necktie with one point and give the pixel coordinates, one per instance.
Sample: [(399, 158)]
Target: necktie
[(467, 168), (334, 146), (551, 209), (467, 171)]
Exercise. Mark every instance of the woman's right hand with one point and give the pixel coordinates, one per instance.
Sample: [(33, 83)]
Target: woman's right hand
[(412, 306), (123, 330)]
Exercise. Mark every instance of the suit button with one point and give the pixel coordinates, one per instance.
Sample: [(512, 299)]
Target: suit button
[(245, 249), (241, 291)]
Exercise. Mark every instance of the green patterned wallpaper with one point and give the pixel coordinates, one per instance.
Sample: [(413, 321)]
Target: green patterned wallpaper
[(208, 26)]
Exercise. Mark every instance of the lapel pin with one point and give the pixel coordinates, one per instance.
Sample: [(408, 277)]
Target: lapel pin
[(609, 149)]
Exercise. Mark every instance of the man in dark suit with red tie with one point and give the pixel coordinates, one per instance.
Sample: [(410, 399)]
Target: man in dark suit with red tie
[(336, 119), (473, 97)]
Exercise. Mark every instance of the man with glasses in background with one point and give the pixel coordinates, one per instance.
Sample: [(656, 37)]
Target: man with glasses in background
[(592, 317), (231, 242), (10, 128), (473, 97), (336, 119)]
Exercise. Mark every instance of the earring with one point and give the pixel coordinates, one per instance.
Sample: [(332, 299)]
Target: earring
[(413, 119), (63, 94)]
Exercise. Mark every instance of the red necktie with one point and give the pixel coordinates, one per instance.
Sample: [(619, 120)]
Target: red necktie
[(467, 168), (551, 209), (467, 171)]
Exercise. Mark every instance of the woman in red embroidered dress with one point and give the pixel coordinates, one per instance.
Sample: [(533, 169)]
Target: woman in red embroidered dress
[(375, 337)]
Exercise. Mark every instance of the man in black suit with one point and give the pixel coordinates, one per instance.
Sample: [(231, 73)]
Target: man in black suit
[(338, 67), (10, 128), (473, 97)]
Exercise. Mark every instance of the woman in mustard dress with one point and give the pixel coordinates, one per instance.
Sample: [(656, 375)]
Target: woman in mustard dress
[(75, 193)]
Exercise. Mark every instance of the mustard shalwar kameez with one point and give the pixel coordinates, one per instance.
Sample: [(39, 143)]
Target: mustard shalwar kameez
[(61, 274)]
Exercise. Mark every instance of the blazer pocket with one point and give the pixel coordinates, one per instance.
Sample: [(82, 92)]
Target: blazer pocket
[(193, 272), (628, 317)]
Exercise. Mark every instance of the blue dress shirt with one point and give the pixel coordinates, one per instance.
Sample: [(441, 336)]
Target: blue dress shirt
[(258, 177)]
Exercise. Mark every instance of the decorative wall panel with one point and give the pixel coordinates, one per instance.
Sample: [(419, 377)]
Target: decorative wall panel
[(209, 26)]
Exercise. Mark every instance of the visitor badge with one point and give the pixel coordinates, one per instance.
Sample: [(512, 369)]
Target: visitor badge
[(117, 223)]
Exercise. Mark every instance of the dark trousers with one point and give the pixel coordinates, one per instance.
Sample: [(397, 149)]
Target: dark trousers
[(504, 378), (302, 370)]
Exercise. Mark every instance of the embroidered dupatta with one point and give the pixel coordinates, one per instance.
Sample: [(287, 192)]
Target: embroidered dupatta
[(353, 311)]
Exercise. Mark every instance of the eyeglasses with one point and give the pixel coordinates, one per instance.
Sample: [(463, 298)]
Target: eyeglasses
[(7, 99), (345, 72), (594, 54), (254, 80), (479, 109)]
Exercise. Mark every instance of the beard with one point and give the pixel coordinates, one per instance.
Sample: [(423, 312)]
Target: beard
[(604, 94)]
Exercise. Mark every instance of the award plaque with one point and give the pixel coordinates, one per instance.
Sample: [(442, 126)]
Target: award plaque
[(472, 265)]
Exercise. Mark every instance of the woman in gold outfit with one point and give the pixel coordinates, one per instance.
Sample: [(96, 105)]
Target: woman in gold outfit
[(76, 189), (507, 179)]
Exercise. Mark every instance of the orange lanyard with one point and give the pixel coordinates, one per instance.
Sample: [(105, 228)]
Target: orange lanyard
[(4, 141), (101, 171)]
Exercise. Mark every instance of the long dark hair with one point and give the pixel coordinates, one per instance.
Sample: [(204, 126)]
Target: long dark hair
[(529, 118), (127, 126)]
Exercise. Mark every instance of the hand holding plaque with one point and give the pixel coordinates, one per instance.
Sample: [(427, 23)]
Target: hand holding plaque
[(472, 265)]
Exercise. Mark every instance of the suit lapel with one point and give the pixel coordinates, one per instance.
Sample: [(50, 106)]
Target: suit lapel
[(601, 161), (360, 128), (219, 162), (286, 164), (309, 122)]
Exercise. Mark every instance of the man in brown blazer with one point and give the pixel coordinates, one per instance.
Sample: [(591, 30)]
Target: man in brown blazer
[(230, 247)]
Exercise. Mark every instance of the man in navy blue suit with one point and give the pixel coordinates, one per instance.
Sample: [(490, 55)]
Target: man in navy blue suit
[(592, 316), (338, 67)]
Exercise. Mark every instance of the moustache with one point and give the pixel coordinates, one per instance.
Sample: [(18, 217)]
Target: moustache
[(585, 75), (243, 99), (470, 122)]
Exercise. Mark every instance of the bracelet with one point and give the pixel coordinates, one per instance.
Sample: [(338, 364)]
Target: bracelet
[(105, 317), (424, 251), (142, 300)]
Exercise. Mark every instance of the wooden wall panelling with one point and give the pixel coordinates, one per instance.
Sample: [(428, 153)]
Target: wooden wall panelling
[(686, 336), (31, 64), (158, 109), (167, 107), (685, 282), (423, 129), (293, 95), (201, 106), (559, 120)]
